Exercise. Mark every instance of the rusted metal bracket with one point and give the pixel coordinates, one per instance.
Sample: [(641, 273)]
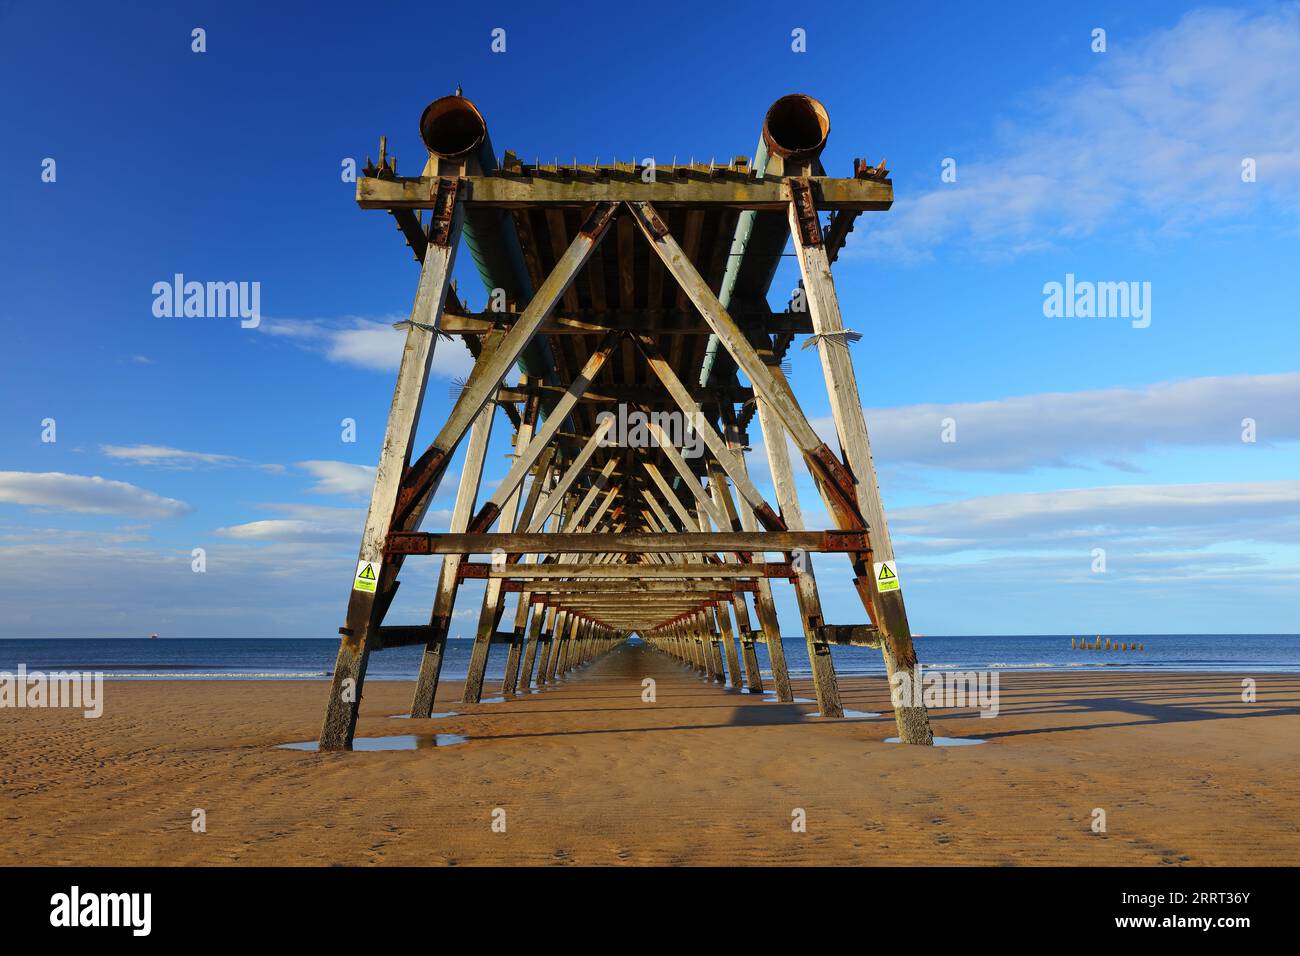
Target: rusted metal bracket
[(598, 219), (846, 541), (419, 475), (839, 484), (805, 210), (444, 192), (646, 213), (864, 170)]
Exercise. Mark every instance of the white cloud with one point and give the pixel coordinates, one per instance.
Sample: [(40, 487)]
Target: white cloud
[(306, 523), (340, 478), (1158, 517), (300, 523), (1060, 428), (85, 494), (280, 529), (163, 455), (367, 343), (1158, 126)]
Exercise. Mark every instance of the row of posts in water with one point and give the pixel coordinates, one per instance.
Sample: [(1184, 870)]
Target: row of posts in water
[(1081, 644)]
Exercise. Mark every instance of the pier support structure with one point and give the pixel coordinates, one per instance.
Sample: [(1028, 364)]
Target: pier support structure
[(627, 507)]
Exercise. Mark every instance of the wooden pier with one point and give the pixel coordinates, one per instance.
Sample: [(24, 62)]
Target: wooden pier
[(633, 300)]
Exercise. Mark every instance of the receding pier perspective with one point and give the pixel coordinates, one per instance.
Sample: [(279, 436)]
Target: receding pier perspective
[(632, 298)]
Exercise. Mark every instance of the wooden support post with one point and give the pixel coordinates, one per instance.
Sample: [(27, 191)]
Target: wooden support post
[(510, 682), (491, 611), (546, 641), (560, 640), (768, 625), (850, 424), (370, 597), (825, 685), (530, 648), (426, 685)]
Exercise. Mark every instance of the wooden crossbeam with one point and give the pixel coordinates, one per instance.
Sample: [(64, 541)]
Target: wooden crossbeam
[(770, 569), (646, 321), (424, 542), (402, 192), (491, 368)]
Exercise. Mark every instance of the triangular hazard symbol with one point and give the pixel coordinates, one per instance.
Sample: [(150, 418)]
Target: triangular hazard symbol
[(368, 573), (886, 574)]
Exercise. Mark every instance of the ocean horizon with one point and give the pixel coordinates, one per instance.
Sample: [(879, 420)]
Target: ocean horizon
[(313, 658)]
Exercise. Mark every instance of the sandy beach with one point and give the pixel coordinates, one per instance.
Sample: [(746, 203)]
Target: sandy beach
[(588, 773)]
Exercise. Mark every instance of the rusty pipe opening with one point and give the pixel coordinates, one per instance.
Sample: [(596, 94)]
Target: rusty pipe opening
[(452, 127), (796, 127)]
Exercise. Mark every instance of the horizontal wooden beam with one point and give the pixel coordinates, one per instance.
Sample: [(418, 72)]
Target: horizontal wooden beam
[(626, 587), (858, 635), (507, 191), (403, 635), (650, 572), (646, 321), (424, 542), (634, 393)]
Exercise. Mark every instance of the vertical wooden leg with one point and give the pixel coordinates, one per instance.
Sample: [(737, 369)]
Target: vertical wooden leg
[(753, 673), (557, 644), (545, 642), (514, 657), (369, 598), (426, 685), (771, 630), (530, 649), (723, 615), (850, 424), (825, 686), (478, 657)]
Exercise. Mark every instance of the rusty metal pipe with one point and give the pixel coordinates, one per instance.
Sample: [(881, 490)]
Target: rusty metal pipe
[(452, 127), (796, 127)]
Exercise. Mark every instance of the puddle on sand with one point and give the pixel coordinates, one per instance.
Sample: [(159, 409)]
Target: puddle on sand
[(493, 700), (947, 741), (771, 699), (399, 742), (434, 716), (849, 713)]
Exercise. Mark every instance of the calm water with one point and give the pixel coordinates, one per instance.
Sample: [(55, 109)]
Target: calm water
[(313, 659)]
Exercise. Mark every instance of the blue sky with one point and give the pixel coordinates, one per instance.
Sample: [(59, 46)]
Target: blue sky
[(1072, 434)]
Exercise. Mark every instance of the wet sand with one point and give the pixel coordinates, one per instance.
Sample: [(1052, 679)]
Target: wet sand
[(588, 773)]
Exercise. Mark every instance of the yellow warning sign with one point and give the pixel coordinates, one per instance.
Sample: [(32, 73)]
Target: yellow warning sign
[(886, 576), (367, 575)]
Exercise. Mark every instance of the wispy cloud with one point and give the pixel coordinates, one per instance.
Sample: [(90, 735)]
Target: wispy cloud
[(367, 343), (1158, 127), (300, 523), (1057, 429), (340, 478), (163, 455), (1154, 517), (307, 523), (86, 494)]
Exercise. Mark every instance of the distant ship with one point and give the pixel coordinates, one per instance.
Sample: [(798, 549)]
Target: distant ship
[(153, 637)]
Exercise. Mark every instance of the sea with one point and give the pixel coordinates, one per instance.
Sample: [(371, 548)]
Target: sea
[(313, 658)]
